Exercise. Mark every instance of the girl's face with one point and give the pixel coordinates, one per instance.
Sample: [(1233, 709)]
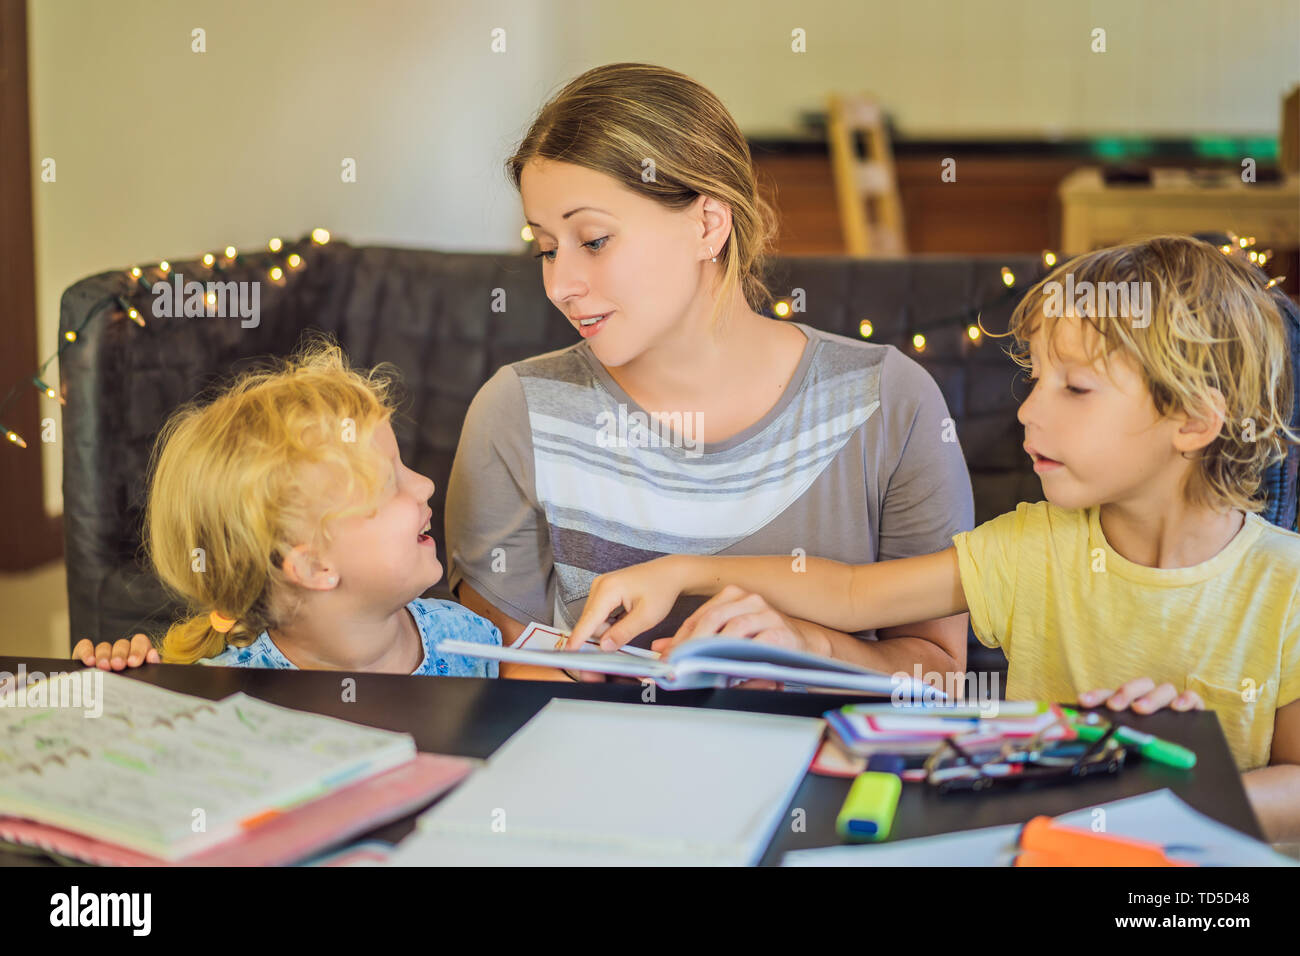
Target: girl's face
[(606, 251), (384, 557)]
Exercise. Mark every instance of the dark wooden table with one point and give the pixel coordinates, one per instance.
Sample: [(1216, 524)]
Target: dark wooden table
[(472, 717)]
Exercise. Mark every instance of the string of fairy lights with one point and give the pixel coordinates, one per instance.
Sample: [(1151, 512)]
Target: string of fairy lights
[(973, 333), (278, 259)]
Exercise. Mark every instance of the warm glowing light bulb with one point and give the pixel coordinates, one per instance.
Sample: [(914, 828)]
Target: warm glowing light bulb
[(320, 236), (295, 261), (1008, 277), (865, 328), (70, 335), (165, 266), (274, 245), (1049, 258), (526, 234), (135, 272), (16, 439), (208, 259), (973, 332), (782, 309), (277, 273), (918, 342)]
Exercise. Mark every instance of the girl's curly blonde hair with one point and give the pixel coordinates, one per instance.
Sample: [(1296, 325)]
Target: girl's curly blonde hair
[(238, 482), (1213, 326)]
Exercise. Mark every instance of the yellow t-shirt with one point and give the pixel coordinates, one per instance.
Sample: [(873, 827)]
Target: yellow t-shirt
[(1073, 615)]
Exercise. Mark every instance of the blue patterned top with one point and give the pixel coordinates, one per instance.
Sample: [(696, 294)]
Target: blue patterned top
[(437, 620)]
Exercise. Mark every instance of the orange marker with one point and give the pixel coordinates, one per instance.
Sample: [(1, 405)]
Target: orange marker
[(1042, 839)]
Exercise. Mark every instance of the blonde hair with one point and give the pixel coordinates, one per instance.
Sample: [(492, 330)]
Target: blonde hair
[(1213, 326), (612, 118), (237, 483)]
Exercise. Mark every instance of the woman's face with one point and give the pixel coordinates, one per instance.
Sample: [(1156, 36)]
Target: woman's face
[(606, 250)]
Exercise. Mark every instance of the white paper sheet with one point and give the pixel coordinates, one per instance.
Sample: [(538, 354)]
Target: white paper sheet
[(589, 782)]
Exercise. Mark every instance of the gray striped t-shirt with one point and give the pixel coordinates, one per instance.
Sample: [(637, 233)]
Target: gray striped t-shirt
[(560, 476)]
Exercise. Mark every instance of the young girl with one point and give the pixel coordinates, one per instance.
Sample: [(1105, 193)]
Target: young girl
[(282, 513), (1147, 564)]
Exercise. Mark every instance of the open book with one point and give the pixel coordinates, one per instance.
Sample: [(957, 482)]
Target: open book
[(708, 662), (171, 777)]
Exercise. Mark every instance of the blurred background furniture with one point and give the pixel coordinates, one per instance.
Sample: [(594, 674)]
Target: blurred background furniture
[(1096, 213), (871, 212), (1010, 190)]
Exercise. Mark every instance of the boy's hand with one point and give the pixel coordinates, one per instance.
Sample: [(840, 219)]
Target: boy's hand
[(138, 650), (1144, 696), (647, 592), (735, 612)]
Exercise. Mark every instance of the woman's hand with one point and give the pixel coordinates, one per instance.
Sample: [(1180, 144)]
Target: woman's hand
[(646, 592), (1144, 696), (138, 650), (735, 612)]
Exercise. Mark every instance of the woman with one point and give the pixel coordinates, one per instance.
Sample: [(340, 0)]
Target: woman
[(686, 421)]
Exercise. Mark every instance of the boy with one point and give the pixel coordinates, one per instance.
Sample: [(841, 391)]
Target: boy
[(1147, 566)]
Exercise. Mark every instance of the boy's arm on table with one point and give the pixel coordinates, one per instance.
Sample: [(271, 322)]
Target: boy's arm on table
[(837, 596), (845, 597), (510, 630), (1274, 791), (937, 646)]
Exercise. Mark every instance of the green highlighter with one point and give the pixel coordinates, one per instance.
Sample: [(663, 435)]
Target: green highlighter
[(1091, 727), (868, 813)]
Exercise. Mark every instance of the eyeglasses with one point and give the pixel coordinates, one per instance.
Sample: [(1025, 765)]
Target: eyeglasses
[(955, 765)]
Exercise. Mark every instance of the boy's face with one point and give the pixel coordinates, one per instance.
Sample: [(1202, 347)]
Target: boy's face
[(1092, 429), (385, 556)]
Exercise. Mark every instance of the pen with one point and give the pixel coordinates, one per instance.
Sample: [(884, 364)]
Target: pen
[(1092, 726)]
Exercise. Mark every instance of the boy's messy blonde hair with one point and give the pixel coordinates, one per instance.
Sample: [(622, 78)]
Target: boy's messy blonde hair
[(261, 469), (1213, 325)]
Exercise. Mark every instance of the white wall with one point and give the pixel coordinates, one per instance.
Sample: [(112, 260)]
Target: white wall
[(971, 67), (164, 152)]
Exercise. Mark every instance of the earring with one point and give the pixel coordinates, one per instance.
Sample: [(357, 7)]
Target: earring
[(334, 581), (715, 258)]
